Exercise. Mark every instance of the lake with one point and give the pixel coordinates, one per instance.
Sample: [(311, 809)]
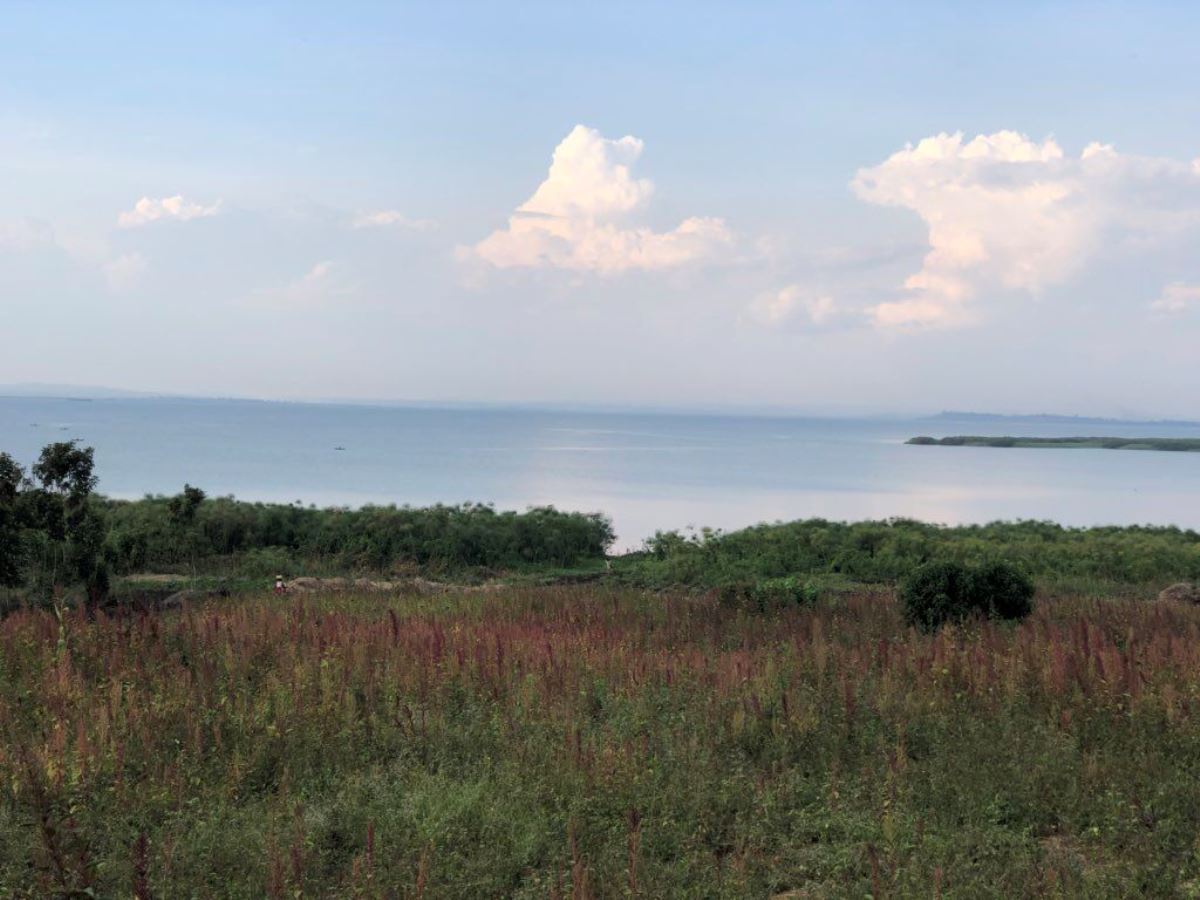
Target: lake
[(648, 471)]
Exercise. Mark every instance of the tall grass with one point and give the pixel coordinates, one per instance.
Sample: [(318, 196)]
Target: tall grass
[(555, 742)]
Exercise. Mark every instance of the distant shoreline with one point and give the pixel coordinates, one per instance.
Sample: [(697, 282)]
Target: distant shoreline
[(1178, 445), (1058, 419), (74, 392)]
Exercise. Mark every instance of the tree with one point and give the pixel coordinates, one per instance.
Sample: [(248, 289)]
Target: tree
[(66, 469), (12, 551), (182, 507), (72, 527), (181, 511), (12, 476)]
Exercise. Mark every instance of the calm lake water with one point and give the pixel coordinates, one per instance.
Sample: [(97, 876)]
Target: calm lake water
[(647, 471)]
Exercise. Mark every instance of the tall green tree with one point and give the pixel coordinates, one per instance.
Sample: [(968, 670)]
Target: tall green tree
[(181, 511), (12, 555), (60, 507)]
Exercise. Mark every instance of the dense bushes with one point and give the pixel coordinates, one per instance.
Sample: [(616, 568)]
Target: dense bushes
[(782, 592), (886, 551), (51, 528), (936, 593), (187, 533), (768, 594), (1002, 591), (160, 533), (56, 535), (54, 532), (945, 591)]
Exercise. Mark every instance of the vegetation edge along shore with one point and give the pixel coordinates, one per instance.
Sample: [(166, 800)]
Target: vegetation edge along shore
[(1184, 445), (59, 539), (809, 708)]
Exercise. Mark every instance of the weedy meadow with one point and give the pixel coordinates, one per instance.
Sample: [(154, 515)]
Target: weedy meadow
[(597, 741)]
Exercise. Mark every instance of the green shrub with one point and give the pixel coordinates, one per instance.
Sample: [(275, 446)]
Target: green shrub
[(266, 562), (735, 594), (767, 594), (779, 593), (946, 591), (890, 550), (1003, 590), (160, 533), (936, 593)]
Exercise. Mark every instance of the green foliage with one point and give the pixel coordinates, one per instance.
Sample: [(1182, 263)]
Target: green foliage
[(12, 476), (266, 562), (779, 593), (936, 593), (1002, 590), (887, 551), (66, 469), (12, 550), (181, 509), (52, 531), (946, 591), (164, 534), (1183, 445), (735, 594), (768, 594)]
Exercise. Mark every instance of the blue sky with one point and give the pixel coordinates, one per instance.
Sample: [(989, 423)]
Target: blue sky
[(358, 201)]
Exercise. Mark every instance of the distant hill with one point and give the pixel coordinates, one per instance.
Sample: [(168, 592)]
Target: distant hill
[(70, 391), (1052, 419)]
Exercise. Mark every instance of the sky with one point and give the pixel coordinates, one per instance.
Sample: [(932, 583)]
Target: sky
[(834, 208)]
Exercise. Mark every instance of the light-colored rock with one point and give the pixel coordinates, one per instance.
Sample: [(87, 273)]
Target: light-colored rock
[(1181, 593)]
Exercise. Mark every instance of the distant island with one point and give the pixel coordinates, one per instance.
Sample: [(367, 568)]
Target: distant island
[(1055, 419), (45, 391), (1186, 445)]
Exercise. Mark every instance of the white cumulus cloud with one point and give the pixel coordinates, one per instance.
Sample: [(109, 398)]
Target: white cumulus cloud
[(792, 305), (581, 217), (154, 209), (324, 282), (321, 283), (1177, 297), (390, 218), (25, 234), (1007, 212), (312, 283), (124, 272)]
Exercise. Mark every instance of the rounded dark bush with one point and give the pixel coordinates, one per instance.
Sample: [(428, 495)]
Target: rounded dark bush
[(945, 591), (936, 593), (1002, 590)]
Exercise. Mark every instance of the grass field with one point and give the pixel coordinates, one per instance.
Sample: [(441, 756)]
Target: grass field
[(598, 742)]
